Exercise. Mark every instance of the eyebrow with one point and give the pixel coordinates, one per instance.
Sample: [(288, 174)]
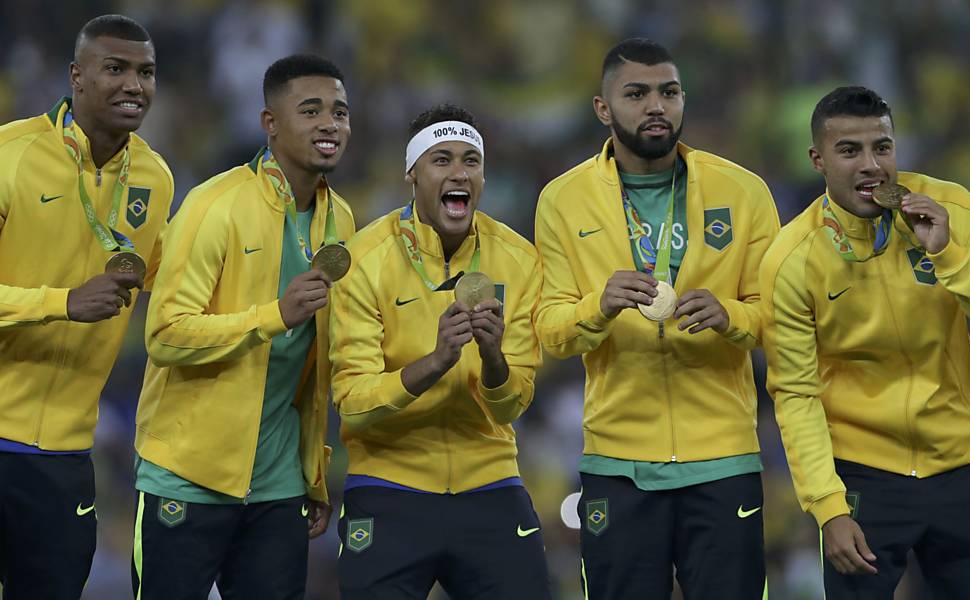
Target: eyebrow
[(319, 102), (845, 142), (643, 86), (125, 61)]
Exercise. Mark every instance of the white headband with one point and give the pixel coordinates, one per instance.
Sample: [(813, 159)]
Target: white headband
[(445, 131)]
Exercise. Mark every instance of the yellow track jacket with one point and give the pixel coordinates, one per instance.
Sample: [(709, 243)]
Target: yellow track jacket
[(678, 398), (869, 362), (457, 435), (210, 321), (52, 370)]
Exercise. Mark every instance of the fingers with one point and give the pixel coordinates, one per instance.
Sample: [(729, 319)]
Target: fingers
[(864, 551), (921, 206), (701, 320), (127, 280), (125, 296), (492, 305)]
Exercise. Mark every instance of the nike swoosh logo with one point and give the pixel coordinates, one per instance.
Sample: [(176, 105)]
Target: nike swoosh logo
[(744, 514), (525, 532), (399, 302), (249, 250), (834, 296), (586, 233), (304, 511), (83, 511), (45, 199)]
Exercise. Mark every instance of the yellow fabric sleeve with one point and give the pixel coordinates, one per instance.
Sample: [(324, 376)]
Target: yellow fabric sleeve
[(178, 330), (567, 323), (795, 384)]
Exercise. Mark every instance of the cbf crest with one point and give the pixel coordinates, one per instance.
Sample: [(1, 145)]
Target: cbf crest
[(718, 229), (137, 206)]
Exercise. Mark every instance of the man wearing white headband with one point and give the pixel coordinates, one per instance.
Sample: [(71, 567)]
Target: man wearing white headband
[(427, 386)]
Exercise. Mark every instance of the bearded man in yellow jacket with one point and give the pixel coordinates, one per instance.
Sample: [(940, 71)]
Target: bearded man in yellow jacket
[(865, 299), (653, 228)]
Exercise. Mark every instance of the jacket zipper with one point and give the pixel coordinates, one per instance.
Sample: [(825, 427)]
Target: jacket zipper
[(97, 177), (670, 401), (909, 365)]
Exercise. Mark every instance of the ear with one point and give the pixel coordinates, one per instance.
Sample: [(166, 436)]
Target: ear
[(74, 75), (602, 110), (409, 176), (268, 122), (818, 163)]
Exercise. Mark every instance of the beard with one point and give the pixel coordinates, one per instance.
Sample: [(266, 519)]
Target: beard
[(648, 148)]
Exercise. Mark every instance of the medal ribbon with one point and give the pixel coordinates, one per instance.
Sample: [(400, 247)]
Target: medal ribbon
[(409, 236), (109, 239), (649, 260), (840, 240), (275, 173)]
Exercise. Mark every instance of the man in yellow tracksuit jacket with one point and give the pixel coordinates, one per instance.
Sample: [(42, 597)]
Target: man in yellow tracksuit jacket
[(433, 490), (232, 418), (671, 465), (77, 189), (869, 359)]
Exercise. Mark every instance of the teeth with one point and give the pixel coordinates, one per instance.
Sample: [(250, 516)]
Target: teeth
[(325, 145), (128, 105), (457, 193)]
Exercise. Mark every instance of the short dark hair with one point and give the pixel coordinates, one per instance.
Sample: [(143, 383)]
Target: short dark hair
[(439, 113), (640, 50), (849, 101), (115, 26), (291, 67)]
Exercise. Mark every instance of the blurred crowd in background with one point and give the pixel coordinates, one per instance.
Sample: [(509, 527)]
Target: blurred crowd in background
[(528, 69)]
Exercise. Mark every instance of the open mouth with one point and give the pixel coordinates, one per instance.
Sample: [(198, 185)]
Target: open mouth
[(864, 189), (326, 147), (655, 129), (130, 107), (456, 203)]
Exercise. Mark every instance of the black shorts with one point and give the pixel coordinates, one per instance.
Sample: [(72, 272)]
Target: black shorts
[(48, 525), (631, 539), (930, 516), (256, 551), (483, 545)]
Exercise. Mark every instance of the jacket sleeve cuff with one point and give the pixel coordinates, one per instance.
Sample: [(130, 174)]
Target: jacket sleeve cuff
[(739, 323), (950, 259), (829, 507), (55, 304), (588, 312), (317, 490), (500, 393), (270, 320), (398, 397)]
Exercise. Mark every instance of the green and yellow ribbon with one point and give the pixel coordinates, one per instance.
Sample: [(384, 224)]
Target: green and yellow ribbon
[(275, 173), (409, 237)]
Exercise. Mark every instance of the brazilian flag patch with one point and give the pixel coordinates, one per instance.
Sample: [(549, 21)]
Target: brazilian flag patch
[(853, 500), (597, 515), (137, 206), (360, 534), (718, 231), (500, 292), (171, 512), (923, 267)]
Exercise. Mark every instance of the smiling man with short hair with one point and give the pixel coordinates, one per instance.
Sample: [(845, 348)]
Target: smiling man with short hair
[(232, 419), (80, 194), (865, 299)]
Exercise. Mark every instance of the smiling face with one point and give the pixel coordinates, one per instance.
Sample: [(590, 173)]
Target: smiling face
[(448, 180), (855, 154), (643, 105), (308, 123), (113, 83)]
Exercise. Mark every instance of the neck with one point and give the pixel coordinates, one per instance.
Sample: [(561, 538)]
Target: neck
[(103, 144), (630, 162), (450, 244), (303, 183)]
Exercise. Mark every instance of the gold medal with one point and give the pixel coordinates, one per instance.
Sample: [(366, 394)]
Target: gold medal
[(664, 303), (474, 288), (889, 195), (126, 262), (333, 260)]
